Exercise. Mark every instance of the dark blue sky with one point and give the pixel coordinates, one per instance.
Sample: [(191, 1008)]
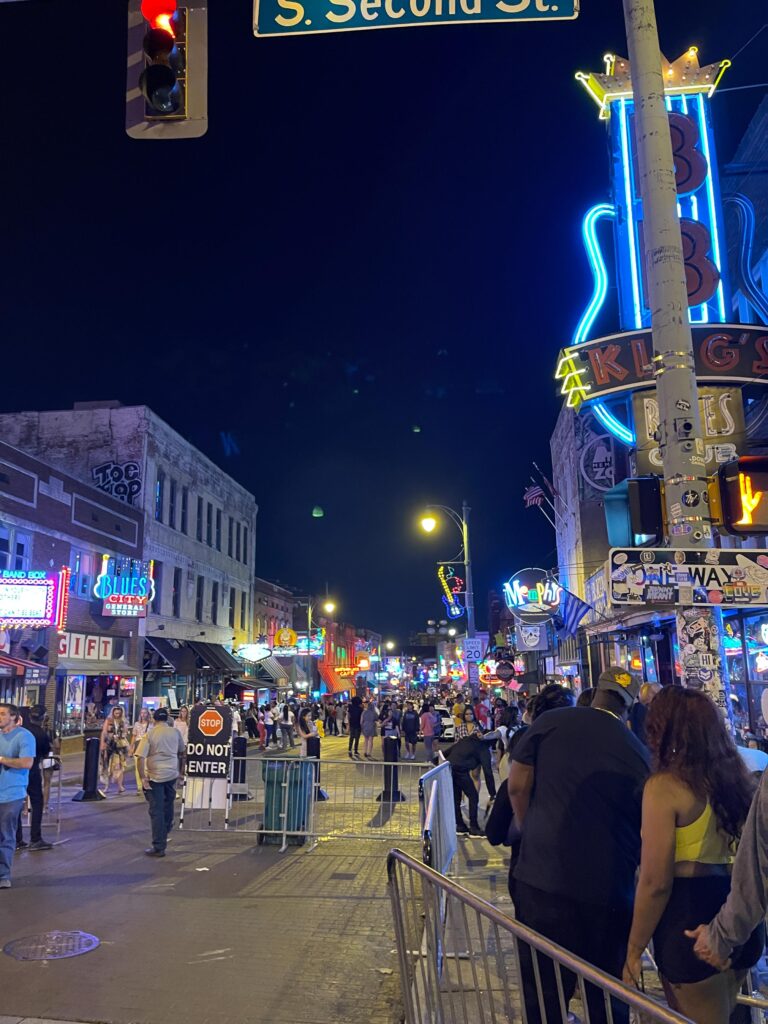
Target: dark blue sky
[(380, 231)]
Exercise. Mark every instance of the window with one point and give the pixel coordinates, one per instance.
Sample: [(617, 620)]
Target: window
[(199, 598), (237, 543), (243, 609), (15, 548), (184, 509), (176, 601), (231, 540), (245, 545), (232, 606), (218, 529), (172, 504), (84, 572), (159, 495), (209, 526), (157, 602), (215, 603), (200, 519)]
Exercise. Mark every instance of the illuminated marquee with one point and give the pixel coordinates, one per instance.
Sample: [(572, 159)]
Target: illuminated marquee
[(688, 89), (33, 599), (532, 596), (126, 586)]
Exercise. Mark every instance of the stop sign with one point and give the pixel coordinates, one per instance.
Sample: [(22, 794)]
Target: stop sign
[(211, 722)]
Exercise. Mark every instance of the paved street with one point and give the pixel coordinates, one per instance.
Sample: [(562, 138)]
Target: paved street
[(221, 930)]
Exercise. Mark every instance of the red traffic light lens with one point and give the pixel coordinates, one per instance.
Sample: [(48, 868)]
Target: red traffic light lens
[(159, 13)]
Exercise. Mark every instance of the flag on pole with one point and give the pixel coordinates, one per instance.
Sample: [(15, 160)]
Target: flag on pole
[(547, 481), (572, 611), (533, 495)]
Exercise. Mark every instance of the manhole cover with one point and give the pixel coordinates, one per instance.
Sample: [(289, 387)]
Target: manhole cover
[(51, 946)]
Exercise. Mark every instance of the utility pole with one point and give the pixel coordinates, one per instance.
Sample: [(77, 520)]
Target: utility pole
[(469, 594), (681, 443)]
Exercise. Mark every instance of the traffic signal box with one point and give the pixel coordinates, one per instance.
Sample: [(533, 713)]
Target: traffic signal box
[(743, 492), (166, 87)]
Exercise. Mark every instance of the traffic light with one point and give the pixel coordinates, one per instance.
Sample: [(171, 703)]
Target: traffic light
[(167, 72), (744, 495), (634, 513)]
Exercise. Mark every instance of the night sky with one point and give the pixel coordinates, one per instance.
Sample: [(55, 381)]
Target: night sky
[(380, 232)]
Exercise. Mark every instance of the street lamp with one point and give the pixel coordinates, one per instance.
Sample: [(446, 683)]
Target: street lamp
[(329, 607), (461, 521), (390, 645)]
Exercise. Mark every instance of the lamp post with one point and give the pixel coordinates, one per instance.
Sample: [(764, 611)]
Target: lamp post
[(461, 521), (329, 607)]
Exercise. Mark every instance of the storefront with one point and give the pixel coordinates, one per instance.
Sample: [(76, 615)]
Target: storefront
[(22, 682), (93, 675), (746, 653)]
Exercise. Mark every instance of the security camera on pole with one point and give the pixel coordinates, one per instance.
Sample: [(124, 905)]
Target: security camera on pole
[(699, 629)]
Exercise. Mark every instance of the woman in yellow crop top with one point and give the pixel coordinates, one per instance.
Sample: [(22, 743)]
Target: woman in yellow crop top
[(694, 806)]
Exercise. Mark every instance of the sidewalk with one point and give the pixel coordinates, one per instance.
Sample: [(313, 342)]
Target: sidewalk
[(219, 932)]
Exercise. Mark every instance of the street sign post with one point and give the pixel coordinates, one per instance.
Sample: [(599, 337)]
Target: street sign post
[(473, 648), (308, 17)]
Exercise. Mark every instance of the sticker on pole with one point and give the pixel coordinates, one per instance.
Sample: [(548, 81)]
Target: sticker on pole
[(305, 17)]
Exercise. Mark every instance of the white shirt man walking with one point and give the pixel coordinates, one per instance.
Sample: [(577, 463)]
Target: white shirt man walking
[(160, 753)]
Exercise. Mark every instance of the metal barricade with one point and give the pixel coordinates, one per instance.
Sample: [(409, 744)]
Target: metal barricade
[(460, 962), (301, 799), (439, 842), (51, 778)]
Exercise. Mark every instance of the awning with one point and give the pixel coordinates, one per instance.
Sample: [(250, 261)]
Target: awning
[(333, 682), (174, 655), (272, 667), (83, 667), (20, 666), (292, 670), (217, 657)]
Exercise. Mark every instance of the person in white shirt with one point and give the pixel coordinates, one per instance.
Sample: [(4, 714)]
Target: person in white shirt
[(286, 722)]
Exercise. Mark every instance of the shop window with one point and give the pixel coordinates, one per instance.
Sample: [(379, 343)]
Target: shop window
[(232, 606), (756, 635), (74, 692), (218, 529), (159, 495), (172, 503), (176, 602), (199, 598), (740, 708), (83, 565), (184, 509), (215, 603), (15, 548), (758, 710)]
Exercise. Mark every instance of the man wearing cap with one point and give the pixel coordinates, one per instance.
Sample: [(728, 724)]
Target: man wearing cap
[(160, 752), (575, 785)]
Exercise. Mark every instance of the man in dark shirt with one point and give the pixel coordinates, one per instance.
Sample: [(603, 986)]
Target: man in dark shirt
[(34, 725), (575, 785), (469, 753)]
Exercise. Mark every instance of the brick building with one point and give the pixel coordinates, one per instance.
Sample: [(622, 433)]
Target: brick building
[(56, 531)]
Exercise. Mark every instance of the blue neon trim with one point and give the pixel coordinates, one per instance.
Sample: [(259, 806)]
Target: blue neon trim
[(612, 425), (753, 293), (629, 199), (597, 265), (709, 183)]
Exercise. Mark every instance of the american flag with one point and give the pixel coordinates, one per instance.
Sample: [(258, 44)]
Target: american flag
[(533, 495)]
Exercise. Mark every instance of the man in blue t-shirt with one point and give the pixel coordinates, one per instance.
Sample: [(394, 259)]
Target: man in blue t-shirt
[(17, 754)]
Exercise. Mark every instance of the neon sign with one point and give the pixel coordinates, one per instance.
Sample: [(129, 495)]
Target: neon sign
[(688, 89), (452, 586), (532, 595), (33, 599), (126, 586)]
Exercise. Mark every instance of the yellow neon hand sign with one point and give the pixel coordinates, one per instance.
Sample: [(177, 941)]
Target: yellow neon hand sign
[(749, 501)]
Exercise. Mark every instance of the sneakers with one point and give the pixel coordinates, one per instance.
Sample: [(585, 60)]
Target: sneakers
[(5, 883), (152, 852), (475, 830), (41, 844), (462, 830), (22, 845)]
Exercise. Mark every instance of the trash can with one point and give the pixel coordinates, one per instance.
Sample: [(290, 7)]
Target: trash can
[(298, 775)]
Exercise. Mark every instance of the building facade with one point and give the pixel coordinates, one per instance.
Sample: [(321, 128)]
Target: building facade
[(54, 525), (199, 531)]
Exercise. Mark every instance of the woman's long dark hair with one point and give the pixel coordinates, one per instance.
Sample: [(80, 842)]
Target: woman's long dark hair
[(687, 738)]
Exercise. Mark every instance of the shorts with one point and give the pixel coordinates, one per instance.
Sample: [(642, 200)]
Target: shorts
[(695, 901), (411, 738)]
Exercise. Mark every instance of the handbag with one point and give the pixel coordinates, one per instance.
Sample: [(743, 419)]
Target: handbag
[(500, 823)]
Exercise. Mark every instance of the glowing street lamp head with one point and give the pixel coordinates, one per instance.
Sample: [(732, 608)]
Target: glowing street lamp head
[(390, 645), (428, 523), (329, 607), (452, 631)]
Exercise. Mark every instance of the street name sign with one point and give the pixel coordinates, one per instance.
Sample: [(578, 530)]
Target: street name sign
[(688, 576), (309, 17)]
